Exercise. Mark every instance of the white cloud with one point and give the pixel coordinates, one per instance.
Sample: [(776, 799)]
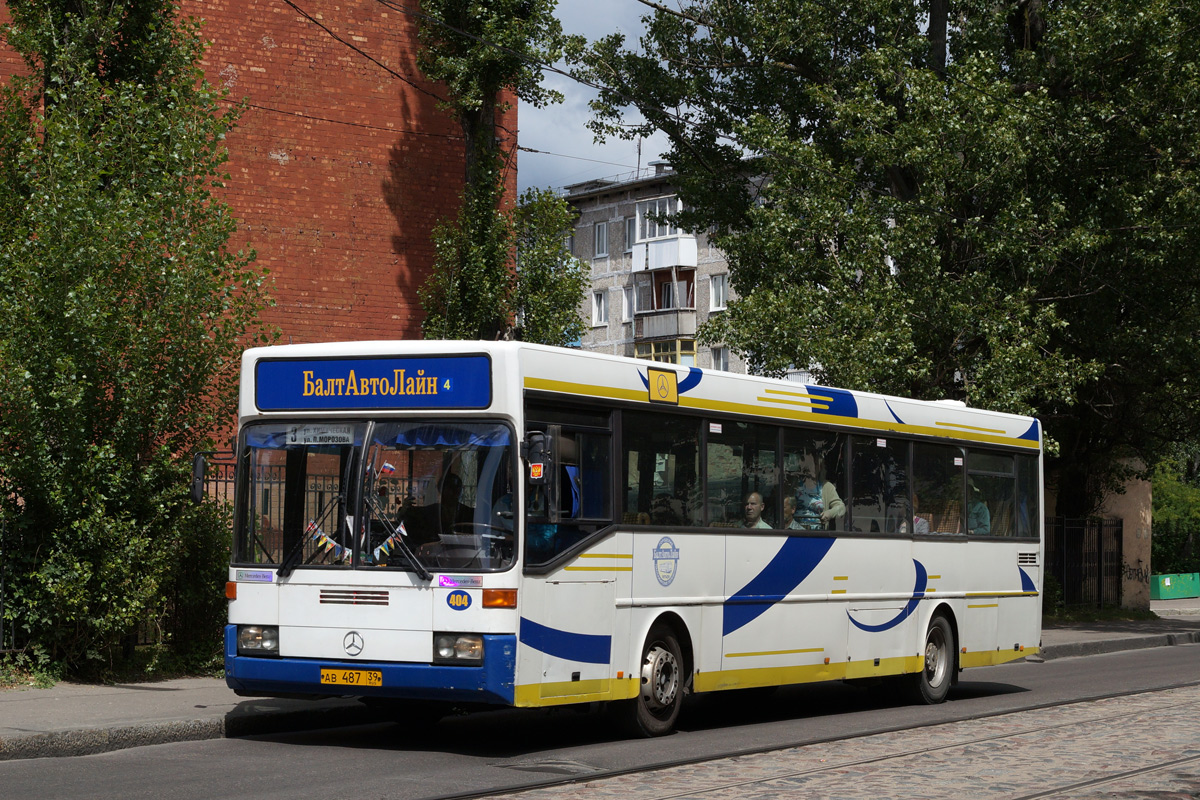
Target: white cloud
[(568, 153)]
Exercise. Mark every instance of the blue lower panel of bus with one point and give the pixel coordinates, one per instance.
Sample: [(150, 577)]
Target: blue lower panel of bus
[(490, 683)]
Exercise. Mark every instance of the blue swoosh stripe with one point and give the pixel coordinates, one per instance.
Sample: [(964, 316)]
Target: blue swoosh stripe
[(909, 608), (794, 562), (1026, 582), (586, 647)]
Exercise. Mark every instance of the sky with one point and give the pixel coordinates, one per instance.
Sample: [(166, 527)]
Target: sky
[(567, 152)]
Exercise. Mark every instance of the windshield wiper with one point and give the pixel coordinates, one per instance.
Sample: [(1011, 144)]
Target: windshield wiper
[(398, 537)]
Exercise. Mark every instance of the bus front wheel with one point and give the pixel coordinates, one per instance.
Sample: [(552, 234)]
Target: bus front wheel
[(654, 711), (932, 683)]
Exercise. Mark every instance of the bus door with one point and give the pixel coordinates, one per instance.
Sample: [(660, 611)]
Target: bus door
[(568, 499)]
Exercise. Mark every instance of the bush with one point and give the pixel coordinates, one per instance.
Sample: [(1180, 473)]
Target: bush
[(1174, 547)]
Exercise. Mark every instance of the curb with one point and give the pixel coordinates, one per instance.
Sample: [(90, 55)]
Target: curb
[(93, 741), (1102, 646)]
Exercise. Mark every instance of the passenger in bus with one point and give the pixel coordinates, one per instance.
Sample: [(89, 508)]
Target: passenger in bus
[(920, 524), (754, 509), (789, 514), (817, 501), (979, 519)]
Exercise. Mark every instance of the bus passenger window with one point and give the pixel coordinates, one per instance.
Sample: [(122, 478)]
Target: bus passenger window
[(743, 477), (938, 486), (1027, 496), (661, 469), (991, 482), (814, 482), (879, 490)]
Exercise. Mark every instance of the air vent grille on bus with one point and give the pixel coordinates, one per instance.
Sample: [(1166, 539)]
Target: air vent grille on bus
[(355, 597), (1027, 559)]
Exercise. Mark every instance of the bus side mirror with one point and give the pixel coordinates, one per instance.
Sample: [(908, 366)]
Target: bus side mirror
[(538, 450), (538, 458), (198, 464)]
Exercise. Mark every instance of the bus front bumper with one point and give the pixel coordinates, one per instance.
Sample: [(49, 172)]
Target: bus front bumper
[(490, 683)]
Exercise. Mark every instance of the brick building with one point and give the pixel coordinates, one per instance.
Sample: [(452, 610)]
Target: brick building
[(340, 167)]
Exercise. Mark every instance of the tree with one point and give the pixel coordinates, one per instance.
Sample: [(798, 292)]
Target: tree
[(124, 316), (481, 50), (999, 210), (550, 281)]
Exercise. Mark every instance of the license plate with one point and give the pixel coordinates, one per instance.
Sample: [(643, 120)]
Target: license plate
[(352, 677)]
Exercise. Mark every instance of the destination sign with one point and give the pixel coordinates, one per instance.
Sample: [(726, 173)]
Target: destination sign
[(347, 384)]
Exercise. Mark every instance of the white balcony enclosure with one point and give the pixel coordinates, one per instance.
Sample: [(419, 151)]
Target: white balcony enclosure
[(670, 251)]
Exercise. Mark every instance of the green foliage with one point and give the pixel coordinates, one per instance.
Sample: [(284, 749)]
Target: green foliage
[(467, 293), (1005, 217), (1176, 492), (474, 292), (1175, 547), (124, 316), (480, 49), (550, 281)]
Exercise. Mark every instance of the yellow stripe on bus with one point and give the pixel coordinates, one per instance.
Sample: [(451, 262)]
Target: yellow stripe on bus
[(776, 652), (598, 569)]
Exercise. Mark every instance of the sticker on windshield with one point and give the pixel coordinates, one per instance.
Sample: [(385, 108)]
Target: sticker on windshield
[(320, 434)]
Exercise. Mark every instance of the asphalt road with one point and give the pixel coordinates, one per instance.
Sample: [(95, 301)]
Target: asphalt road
[(499, 751)]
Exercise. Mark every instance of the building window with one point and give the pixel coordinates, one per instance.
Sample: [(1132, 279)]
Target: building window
[(720, 358), (672, 351), (599, 308), (601, 233), (627, 304), (630, 233), (650, 222), (718, 292)]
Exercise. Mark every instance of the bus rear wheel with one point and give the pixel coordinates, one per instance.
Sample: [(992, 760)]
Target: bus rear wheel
[(654, 711), (932, 683)]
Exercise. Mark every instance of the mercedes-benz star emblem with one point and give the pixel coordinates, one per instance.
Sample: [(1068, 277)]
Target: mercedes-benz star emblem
[(353, 643)]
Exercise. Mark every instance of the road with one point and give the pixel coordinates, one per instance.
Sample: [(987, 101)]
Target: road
[(501, 751)]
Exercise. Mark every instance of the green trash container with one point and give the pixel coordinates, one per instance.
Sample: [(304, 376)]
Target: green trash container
[(1174, 586)]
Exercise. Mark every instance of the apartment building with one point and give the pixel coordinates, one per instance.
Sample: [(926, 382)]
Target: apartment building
[(653, 285)]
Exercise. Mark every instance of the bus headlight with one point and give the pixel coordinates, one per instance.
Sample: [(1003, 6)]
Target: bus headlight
[(258, 640), (457, 648)]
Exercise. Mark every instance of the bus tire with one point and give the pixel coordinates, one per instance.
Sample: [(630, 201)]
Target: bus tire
[(931, 685), (654, 711)]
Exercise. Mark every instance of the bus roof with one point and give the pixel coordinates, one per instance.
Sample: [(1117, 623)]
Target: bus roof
[(352, 377)]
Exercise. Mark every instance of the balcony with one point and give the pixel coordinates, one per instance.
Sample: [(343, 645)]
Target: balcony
[(669, 323), (672, 251)]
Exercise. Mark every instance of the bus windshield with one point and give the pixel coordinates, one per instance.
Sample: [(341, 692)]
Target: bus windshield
[(411, 495)]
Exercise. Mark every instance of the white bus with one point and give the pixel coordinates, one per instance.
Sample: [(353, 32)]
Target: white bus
[(433, 523)]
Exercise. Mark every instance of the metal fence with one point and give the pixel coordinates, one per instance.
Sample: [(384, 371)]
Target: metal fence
[(1085, 557)]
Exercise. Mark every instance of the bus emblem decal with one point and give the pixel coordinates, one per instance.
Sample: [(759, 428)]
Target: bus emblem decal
[(353, 643), (666, 561)]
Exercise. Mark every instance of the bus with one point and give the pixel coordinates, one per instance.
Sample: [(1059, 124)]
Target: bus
[(429, 524)]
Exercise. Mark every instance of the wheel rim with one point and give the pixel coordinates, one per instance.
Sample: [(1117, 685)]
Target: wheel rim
[(937, 661), (660, 679)]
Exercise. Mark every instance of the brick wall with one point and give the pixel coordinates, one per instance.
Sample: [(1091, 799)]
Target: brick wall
[(339, 167)]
